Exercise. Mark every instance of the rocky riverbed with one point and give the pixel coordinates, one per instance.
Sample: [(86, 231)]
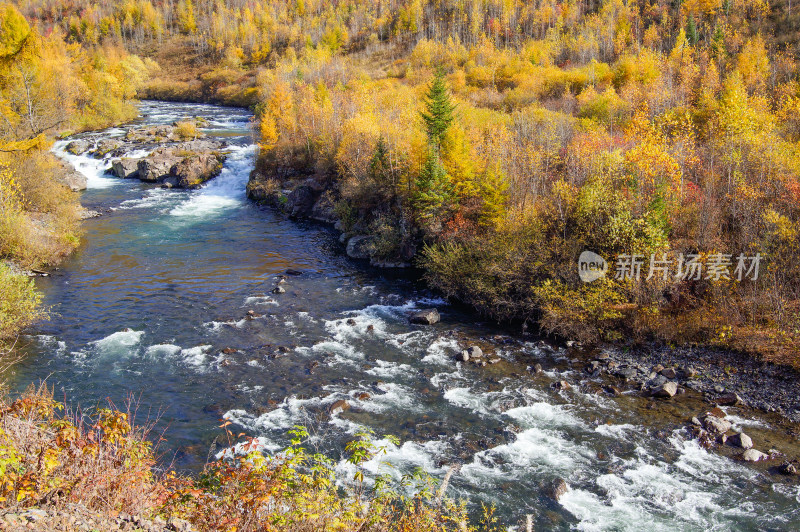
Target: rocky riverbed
[(175, 156)]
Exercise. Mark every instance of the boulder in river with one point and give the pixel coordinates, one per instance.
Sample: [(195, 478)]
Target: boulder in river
[(471, 352), (126, 168), (106, 147), (195, 170), (560, 385), (753, 455), (788, 468), (741, 440), (626, 373), (666, 390), (556, 489), (425, 317), (156, 167), (324, 209), (728, 399), (300, 201), (338, 407), (77, 147), (716, 425), (669, 373)]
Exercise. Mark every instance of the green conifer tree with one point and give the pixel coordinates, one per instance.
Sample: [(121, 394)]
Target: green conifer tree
[(691, 31), (438, 114), (433, 193), (379, 168)]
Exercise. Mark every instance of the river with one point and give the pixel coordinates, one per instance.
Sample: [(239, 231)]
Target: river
[(163, 283)]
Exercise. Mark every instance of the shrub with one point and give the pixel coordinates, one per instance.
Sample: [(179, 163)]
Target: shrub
[(106, 464), (19, 303), (187, 130)]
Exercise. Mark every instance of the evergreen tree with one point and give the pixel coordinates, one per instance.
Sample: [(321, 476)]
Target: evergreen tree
[(379, 168), (438, 114), (691, 31), (434, 191), (718, 43)]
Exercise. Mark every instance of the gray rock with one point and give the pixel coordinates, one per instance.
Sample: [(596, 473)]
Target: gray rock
[(752, 455), (323, 210), (85, 214), (472, 352), (741, 440), (657, 381), (669, 373), (728, 399), (716, 425), (35, 514), (666, 390), (126, 168), (627, 373), (359, 247), (425, 317), (77, 147), (178, 525), (195, 170), (75, 180), (106, 146), (156, 168), (300, 201)]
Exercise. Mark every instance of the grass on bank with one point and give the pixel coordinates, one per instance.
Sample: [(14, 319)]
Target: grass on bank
[(52, 457)]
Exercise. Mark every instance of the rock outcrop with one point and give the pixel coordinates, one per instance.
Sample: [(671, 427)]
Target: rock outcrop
[(126, 168), (183, 165), (425, 317), (75, 180), (359, 247), (195, 170), (156, 167)]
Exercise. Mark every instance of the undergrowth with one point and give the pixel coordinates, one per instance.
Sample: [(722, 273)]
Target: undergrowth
[(51, 456)]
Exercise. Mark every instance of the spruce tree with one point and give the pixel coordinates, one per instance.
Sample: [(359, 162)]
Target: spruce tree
[(691, 31), (434, 191), (379, 169), (438, 114)]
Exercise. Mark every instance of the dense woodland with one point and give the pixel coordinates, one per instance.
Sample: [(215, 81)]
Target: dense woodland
[(635, 127)]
